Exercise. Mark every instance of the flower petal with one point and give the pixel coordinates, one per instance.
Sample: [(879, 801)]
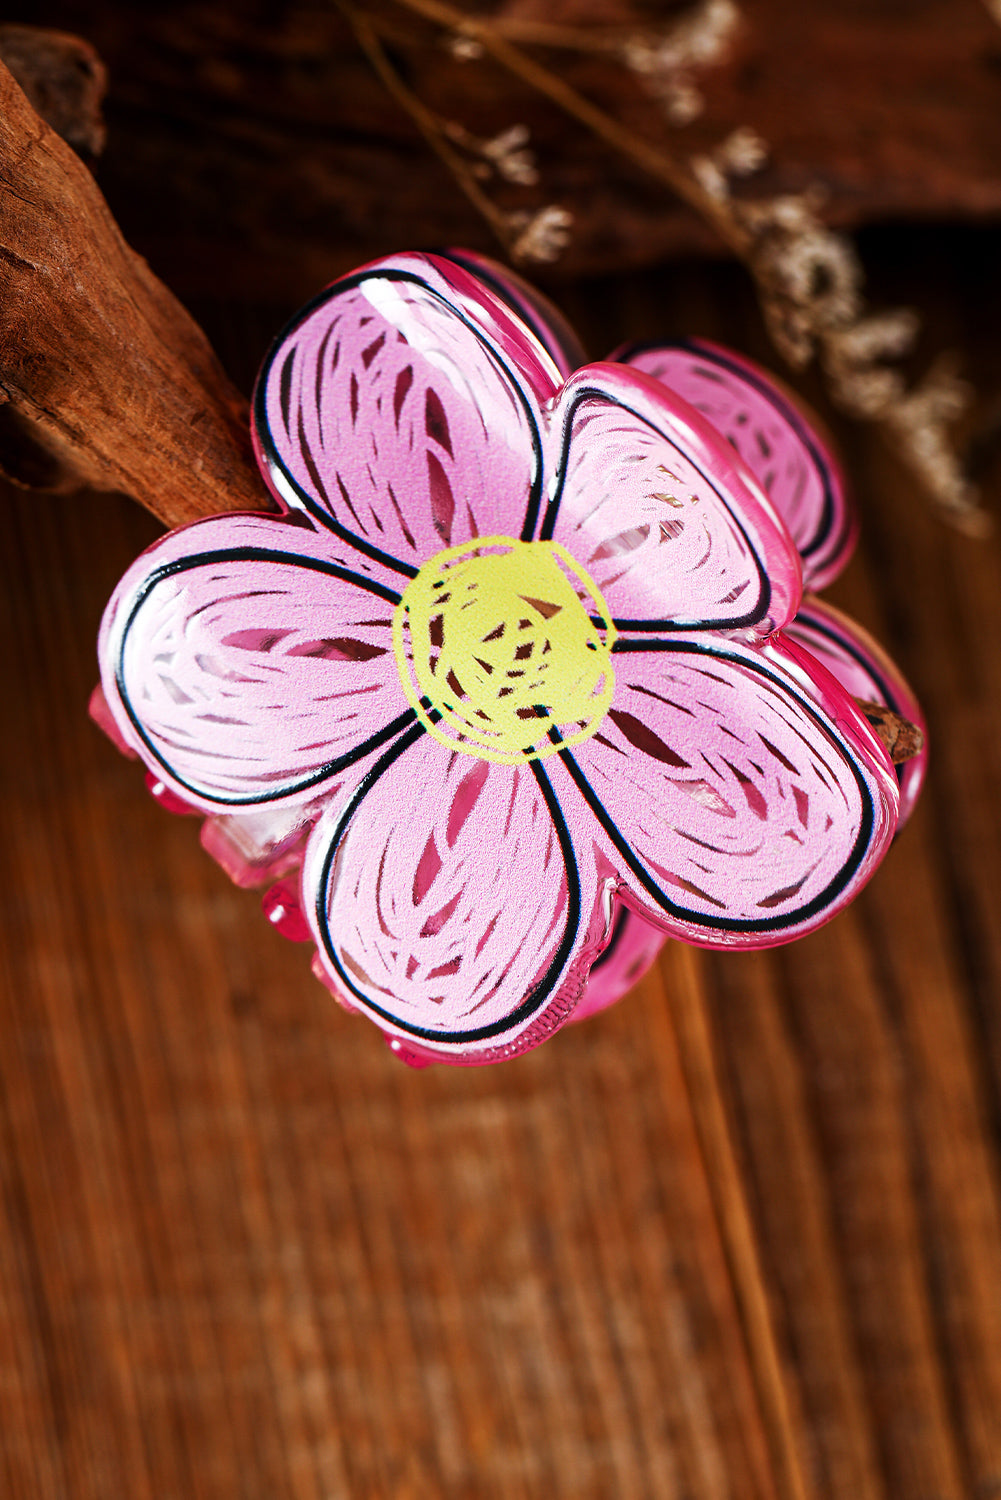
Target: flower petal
[(401, 409), (777, 441), (740, 813), (670, 524), (448, 902), (866, 672), (527, 302), (245, 667), (632, 950)]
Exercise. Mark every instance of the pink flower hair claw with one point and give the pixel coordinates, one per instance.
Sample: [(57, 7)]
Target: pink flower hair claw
[(522, 680)]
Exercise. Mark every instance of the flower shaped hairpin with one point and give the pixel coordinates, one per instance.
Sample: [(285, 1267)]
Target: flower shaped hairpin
[(525, 652)]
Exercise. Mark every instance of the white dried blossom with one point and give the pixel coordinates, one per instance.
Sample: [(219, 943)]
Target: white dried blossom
[(887, 335), (509, 154), (790, 331), (710, 176), (821, 269), (703, 37), (676, 91), (863, 390), (792, 211), (506, 153), (464, 48), (542, 236), (666, 61), (698, 39), (742, 152), (680, 98), (810, 278)]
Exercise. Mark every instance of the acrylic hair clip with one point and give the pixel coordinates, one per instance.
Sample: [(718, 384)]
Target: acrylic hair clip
[(522, 681)]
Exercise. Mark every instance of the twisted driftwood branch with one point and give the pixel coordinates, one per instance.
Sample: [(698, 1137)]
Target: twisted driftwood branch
[(100, 366)]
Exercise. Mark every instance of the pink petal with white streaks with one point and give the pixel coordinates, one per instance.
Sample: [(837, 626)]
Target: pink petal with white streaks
[(403, 409), (863, 668), (775, 438), (671, 526), (245, 667), (448, 904), (739, 815)]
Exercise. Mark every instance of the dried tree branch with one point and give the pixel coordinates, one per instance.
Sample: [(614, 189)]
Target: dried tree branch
[(98, 361)]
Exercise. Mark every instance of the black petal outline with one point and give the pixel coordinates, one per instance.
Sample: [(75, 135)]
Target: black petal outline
[(274, 461), (552, 513), (254, 554), (700, 919), (533, 1002)]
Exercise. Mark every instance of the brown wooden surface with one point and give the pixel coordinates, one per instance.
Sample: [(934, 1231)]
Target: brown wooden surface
[(739, 1237)]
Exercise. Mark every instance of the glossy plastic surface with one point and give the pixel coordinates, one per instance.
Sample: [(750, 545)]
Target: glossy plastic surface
[(774, 435), (865, 670), (628, 575)]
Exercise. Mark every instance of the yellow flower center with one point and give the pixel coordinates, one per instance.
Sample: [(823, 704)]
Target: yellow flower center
[(504, 649)]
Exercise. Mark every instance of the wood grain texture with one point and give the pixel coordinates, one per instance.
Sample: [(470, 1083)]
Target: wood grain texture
[(739, 1237)]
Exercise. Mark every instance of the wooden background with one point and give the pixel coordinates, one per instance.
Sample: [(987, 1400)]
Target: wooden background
[(737, 1239), (245, 1253)]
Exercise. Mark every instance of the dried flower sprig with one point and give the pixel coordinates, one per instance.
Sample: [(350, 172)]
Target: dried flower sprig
[(524, 236), (741, 153), (666, 58), (668, 62), (492, 37), (543, 236), (809, 277), (508, 154), (810, 283)]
